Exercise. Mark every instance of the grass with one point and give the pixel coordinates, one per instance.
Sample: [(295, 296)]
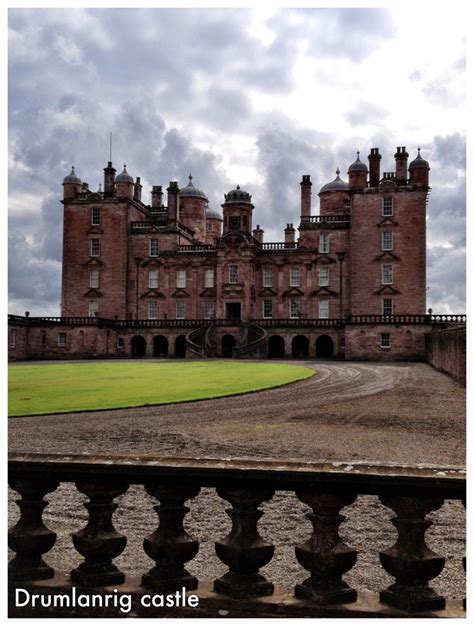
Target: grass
[(70, 387)]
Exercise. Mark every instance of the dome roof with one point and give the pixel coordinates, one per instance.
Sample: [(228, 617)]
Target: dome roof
[(335, 185), (419, 162), (212, 214), (191, 191), (238, 195), (358, 166), (124, 177), (72, 178)]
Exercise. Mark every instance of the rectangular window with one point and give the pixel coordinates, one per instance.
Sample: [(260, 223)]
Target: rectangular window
[(153, 247), (153, 279), (233, 274), (323, 244), (209, 279), (12, 338), (387, 306), (294, 277), (152, 309), (181, 279), (387, 206), (93, 308), (267, 309), (323, 309), (94, 279), (267, 277), (295, 310), (61, 339), (181, 310), (385, 340), (387, 274), (209, 227), (120, 342), (324, 277), (95, 247), (387, 240), (95, 219), (208, 310)]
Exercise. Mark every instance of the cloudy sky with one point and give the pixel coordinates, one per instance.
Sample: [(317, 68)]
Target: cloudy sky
[(250, 96)]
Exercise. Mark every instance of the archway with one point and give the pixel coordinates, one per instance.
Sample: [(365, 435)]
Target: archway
[(160, 346), (227, 344), (180, 347), (138, 346), (276, 347), (324, 347), (300, 347)]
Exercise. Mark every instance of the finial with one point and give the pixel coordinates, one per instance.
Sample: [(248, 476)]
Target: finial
[(238, 187), (338, 171), (124, 166), (100, 187), (72, 171), (190, 177), (418, 153), (358, 154)]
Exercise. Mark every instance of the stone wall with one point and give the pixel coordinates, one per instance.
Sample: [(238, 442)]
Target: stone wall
[(446, 351)]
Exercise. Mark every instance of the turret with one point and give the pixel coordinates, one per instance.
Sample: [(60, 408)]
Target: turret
[(213, 225), (238, 211), (109, 180), (333, 196), (401, 161), (124, 184), (419, 169), (192, 209), (374, 167), (173, 202), (72, 185), (357, 175), (306, 195)]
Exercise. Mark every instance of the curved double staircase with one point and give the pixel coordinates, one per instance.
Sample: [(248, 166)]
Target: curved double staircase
[(202, 341)]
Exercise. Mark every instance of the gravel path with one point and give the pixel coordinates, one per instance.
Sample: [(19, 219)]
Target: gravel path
[(405, 413)]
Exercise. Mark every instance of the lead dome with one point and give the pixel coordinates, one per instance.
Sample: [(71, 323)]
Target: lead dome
[(238, 195), (419, 162), (335, 185), (72, 178), (358, 166), (124, 176), (190, 191)]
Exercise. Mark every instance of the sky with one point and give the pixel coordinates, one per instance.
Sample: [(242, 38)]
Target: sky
[(255, 97)]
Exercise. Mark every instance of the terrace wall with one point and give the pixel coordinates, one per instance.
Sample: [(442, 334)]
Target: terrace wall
[(446, 351)]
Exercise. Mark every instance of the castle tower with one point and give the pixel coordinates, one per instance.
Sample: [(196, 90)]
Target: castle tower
[(419, 169), (238, 210), (193, 202), (72, 185), (334, 196), (357, 175), (213, 225), (124, 184)]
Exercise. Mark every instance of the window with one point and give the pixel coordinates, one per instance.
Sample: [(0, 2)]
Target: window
[(94, 279), (209, 278), (385, 340), (61, 339), (267, 277), (181, 310), (153, 247), (233, 274), (181, 279), (387, 240), (95, 218), (324, 277), (153, 279), (387, 306), (152, 309), (324, 244), (387, 274), (209, 227), (267, 308), (95, 247), (323, 309), (294, 277), (120, 342), (93, 308), (295, 308), (208, 310), (12, 339), (387, 206)]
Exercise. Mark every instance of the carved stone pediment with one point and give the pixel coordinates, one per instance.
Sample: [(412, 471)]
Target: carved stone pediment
[(93, 262), (180, 293), (152, 293), (93, 293), (152, 261), (267, 292), (387, 289), (324, 291), (387, 221), (387, 256), (324, 259), (293, 292), (208, 292), (95, 230), (388, 186)]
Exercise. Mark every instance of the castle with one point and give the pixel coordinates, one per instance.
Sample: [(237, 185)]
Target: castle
[(182, 279)]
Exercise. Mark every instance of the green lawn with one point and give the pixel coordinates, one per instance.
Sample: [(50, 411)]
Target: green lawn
[(64, 388)]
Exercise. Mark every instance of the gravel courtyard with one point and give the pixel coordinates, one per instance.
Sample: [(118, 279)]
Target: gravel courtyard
[(402, 413)]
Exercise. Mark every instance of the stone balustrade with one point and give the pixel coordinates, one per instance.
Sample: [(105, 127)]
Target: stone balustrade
[(412, 493)]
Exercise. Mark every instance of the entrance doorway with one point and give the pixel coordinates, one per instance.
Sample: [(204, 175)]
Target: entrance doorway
[(300, 347), (160, 346), (180, 347), (228, 343), (276, 347), (138, 346), (324, 347), (232, 310)]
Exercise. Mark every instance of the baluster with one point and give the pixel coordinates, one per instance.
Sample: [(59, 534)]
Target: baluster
[(30, 538), (324, 554), (99, 542), (410, 560), (170, 546), (243, 550)]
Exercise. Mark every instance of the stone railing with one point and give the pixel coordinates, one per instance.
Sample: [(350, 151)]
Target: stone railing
[(279, 245), (197, 248), (411, 492), (144, 226), (298, 322), (319, 219)]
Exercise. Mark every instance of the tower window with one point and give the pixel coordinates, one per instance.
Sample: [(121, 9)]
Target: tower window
[(324, 244), (295, 277), (387, 306), (94, 279), (324, 277), (153, 247), (181, 279), (95, 247), (181, 310), (267, 277), (295, 309), (95, 218), (323, 309), (387, 274), (385, 340), (208, 310), (153, 279), (387, 206), (152, 309), (209, 279), (93, 308), (387, 240), (233, 274), (267, 309)]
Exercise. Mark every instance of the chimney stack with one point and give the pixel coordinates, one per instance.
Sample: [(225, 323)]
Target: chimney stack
[(173, 202), (156, 197), (306, 195), (289, 234), (401, 165), (109, 181), (374, 167), (137, 193), (258, 234)]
